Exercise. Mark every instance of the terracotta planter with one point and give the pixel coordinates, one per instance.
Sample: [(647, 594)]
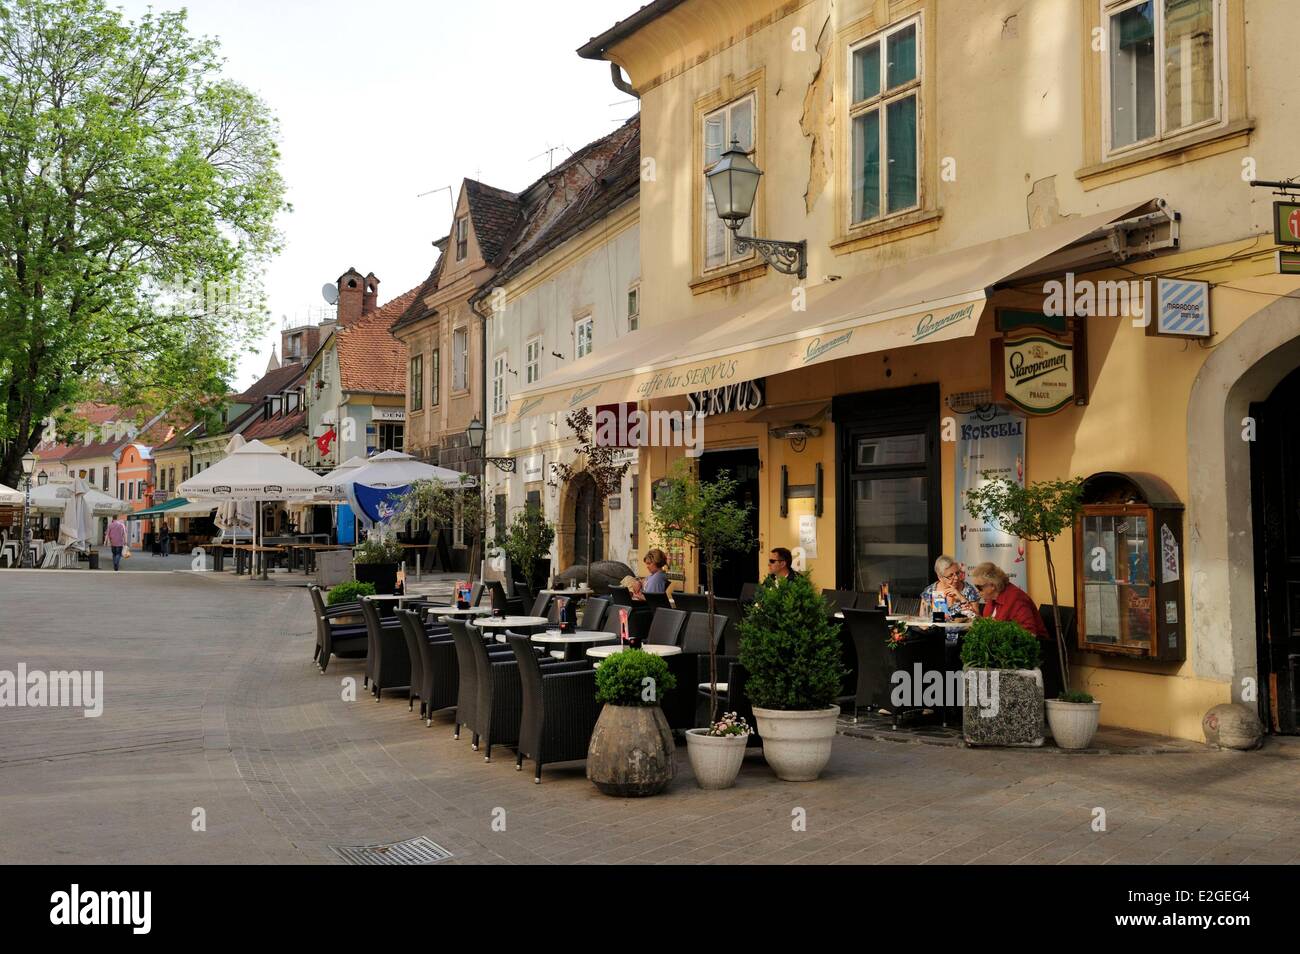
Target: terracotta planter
[(715, 759), (631, 751), (797, 742), (1073, 724)]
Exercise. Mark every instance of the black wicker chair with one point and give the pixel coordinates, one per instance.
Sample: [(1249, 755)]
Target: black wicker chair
[(638, 623), (559, 708), (839, 599), (748, 593), (340, 630), (463, 638), (541, 605), (620, 596), (388, 659), (593, 614), (691, 602), (679, 704), (906, 605), (509, 605), (437, 679), (666, 627), (657, 600), (872, 660)]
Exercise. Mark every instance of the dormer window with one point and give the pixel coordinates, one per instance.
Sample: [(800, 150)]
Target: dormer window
[(462, 238)]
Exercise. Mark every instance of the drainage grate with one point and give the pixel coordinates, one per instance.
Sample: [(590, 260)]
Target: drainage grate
[(413, 851)]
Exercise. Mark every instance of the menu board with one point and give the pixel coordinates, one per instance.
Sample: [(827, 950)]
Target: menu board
[(990, 445)]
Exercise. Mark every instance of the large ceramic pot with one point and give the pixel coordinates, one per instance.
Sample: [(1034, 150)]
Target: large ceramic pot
[(715, 759), (631, 751), (1003, 707), (797, 742), (383, 575), (1073, 724)]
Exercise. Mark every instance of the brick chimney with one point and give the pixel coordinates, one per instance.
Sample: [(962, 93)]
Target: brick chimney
[(370, 301), (351, 296)]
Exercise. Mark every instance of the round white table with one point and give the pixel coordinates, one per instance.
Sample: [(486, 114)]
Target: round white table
[(453, 611), (578, 591), (510, 622), (920, 622), (581, 636), (601, 652)]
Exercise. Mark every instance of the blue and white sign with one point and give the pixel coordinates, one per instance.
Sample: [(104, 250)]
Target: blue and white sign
[(1182, 308), (376, 504)]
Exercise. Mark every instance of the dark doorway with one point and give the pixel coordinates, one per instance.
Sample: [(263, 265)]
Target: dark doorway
[(736, 568), (889, 514), (1275, 487), (588, 536)]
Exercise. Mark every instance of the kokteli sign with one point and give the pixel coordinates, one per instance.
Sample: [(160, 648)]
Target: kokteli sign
[(1038, 373), (746, 396)]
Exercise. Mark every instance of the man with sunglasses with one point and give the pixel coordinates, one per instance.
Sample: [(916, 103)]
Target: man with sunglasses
[(778, 564)]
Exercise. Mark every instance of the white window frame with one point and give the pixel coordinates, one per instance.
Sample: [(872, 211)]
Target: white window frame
[(499, 385), (634, 314), (462, 238), (460, 359), (879, 103), (435, 372), (415, 386), (730, 259), (1111, 8), (579, 323), (533, 360)]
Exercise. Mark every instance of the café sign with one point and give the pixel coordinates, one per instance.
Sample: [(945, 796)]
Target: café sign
[(1037, 373), (745, 396)]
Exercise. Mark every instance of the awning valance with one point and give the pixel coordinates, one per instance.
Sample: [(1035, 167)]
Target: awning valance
[(924, 301)]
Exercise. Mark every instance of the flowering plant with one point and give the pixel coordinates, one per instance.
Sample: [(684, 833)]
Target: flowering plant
[(729, 724), (897, 634)]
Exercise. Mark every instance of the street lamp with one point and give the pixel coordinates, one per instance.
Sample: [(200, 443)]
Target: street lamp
[(29, 465), (474, 436), (733, 180)]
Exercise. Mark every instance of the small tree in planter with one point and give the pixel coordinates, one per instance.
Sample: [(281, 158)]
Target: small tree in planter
[(442, 505), (631, 750), (1006, 707), (597, 461), (1041, 511), (376, 559), (528, 540), (795, 668)]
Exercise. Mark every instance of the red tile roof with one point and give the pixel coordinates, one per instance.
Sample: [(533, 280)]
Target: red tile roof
[(277, 425), (370, 358)]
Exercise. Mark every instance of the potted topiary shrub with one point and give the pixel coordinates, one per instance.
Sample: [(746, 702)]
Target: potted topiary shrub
[(793, 657), (631, 749), (1004, 686), (375, 560), (1040, 512), (717, 751)]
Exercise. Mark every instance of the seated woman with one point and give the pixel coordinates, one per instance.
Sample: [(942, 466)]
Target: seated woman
[(657, 580), (950, 582), (1004, 600)]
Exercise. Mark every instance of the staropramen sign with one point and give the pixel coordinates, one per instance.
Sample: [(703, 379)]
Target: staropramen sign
[(1038, 373)]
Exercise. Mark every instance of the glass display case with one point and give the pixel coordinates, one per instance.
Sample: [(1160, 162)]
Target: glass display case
[(1128, 544)]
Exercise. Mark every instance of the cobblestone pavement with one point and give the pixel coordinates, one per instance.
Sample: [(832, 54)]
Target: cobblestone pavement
[(212, 703)]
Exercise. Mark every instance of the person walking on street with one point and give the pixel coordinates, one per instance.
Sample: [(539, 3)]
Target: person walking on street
[(165, 538), (115, 537)]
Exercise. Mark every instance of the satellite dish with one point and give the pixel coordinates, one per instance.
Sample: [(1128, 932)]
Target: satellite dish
[(330, 293)]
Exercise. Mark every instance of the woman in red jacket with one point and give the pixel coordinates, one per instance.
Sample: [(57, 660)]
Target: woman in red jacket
[(1002, 599)]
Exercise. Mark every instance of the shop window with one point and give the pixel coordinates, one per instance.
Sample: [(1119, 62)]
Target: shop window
[(1162, 73), (884, 117), (1128, 568)]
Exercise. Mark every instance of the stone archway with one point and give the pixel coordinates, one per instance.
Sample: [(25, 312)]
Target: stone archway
[(570, 530), (1246, 367)]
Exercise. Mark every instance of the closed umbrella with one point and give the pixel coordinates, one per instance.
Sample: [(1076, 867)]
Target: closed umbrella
[(77, 527), (52, 498), (234, 516)]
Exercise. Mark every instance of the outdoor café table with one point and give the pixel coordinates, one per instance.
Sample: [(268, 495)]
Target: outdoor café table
[(455, 611), (601, 652), (572, 591), (511, 622), (570, 642)]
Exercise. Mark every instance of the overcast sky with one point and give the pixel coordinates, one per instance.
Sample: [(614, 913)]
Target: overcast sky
[(383, 100)]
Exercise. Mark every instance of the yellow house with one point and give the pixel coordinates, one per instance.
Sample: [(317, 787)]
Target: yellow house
[(1031, 244)]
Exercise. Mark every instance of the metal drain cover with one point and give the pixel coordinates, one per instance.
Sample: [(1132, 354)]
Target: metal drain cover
[(413, 851)]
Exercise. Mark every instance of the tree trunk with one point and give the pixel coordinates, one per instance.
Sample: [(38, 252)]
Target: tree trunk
[(1056, 617), (713, 648)]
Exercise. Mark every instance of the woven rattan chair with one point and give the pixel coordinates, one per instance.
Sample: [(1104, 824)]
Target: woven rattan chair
[(340, 630), (388, 660), (666, 627), (559, 708)]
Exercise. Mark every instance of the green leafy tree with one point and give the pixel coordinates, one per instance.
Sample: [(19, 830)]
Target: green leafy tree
[(442, 505), (790, 647), (1040, 511), (706, 516), (528, 539), (599, 462), (138, 194)]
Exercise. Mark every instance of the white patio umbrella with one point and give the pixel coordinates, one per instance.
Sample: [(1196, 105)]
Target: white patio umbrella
[(232, 516), (253, 472), (52, 498), (391, 470), (10, 497), (331, 490), (77, 526)]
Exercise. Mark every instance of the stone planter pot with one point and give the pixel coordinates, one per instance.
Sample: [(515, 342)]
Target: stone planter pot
[(1073, 724), (797, 742), (631, 751), (1015, 715), (383, 575), (715, 759)]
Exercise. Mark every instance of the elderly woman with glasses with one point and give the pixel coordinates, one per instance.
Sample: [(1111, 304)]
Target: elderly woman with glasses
[(950, 583), (1004, 600), (657, 580)]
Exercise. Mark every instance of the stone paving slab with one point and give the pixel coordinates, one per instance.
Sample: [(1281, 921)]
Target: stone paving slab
[(211, 702)]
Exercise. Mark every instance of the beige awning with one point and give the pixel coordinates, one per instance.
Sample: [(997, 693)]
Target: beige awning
[(937, 298)]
